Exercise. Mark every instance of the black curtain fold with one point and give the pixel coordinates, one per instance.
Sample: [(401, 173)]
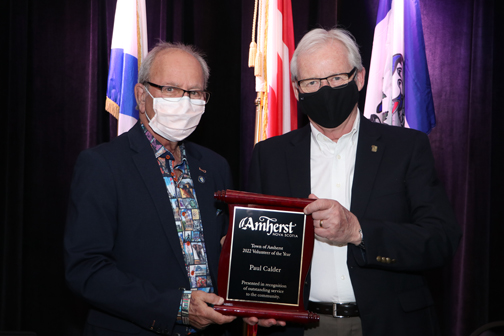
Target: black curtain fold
[(496, 289), (56, 56), (13, 164)]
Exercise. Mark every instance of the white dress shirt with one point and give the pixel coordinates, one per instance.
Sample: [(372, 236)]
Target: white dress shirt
[(332, 167)]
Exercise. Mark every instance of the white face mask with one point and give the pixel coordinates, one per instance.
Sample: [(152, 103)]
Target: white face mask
[(175, 118)]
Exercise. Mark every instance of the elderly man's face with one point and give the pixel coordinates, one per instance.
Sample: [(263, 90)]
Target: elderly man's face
[(173, 68), (326, 61)]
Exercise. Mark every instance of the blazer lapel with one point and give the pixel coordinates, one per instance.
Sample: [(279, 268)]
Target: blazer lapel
[(149, 171), (298, 161), (370, 151)]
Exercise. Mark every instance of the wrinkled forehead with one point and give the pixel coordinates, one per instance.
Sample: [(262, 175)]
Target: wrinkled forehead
[(177, 67), (323, 60)]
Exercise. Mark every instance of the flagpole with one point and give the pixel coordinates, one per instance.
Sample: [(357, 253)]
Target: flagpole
[(251, 330), (258, 109)]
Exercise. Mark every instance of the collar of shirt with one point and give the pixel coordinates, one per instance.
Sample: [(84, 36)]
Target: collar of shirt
[(161, 151), (327, 146)]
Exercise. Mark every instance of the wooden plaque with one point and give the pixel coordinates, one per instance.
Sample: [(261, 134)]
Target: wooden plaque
[(266, 257)]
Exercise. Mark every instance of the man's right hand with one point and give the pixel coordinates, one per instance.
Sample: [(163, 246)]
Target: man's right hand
[(201, 315)]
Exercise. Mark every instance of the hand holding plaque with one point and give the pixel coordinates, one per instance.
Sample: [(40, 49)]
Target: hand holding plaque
[(266, 257)]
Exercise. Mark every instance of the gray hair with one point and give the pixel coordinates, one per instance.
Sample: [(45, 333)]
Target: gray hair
[(319, 37), (144, 72)]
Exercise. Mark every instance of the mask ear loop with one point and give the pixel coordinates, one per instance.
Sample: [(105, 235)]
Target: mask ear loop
[(145, 87), (146, 114)]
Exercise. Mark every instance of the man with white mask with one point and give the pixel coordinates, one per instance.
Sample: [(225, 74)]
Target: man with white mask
[(143, 232)]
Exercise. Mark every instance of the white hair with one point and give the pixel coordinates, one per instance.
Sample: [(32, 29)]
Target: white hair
[(144, 72), (319, 37)]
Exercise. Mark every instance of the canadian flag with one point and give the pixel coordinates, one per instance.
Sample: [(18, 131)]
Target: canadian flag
[(276, 111)]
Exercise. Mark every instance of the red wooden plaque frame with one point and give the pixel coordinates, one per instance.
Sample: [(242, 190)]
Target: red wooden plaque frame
[(291, 313)]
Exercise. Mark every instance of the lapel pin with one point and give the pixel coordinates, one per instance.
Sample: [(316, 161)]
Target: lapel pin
[(201, 179), (202, 170), (374, 148)]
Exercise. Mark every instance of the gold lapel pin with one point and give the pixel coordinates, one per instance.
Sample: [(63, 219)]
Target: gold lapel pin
[(374, 148)]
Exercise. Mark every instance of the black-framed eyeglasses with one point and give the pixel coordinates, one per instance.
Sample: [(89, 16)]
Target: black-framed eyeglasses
[(336, 81), (198, 97)]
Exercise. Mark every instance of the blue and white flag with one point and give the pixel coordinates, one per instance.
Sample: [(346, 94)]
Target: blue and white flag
[(129, 47), (399, 91)]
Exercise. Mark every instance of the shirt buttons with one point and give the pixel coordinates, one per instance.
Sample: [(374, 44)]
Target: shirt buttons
[(339, 157)]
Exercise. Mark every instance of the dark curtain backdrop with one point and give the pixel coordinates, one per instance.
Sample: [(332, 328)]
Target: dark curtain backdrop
[(55, 56)]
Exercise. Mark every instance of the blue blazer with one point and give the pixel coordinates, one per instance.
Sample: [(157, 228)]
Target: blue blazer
[(403, 211), (122, 251)]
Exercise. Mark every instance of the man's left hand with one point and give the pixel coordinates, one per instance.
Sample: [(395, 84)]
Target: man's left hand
[(333, 223)]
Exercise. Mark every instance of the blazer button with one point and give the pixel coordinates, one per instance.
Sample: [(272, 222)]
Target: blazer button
[(387, 260), (378, 259)]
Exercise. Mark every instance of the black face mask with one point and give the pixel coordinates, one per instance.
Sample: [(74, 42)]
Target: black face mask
[(330, 107)]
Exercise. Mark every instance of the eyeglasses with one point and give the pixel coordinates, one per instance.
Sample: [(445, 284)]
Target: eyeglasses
[(198, 97), (336, 81)]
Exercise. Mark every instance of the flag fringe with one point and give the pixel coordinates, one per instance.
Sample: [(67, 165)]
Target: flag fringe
[(112, 107), (258, 64), (139, 38)]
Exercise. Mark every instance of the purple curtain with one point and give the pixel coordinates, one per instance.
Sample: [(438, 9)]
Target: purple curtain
[(56, 60), (461, 63)]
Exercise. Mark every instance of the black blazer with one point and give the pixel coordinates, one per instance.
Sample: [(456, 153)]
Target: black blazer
[(122, 251), (407, 221)]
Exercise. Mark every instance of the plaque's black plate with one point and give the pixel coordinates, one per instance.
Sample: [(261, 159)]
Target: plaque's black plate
[(266, 256)]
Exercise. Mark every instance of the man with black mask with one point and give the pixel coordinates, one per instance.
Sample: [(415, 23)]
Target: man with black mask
[(381, 216)]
